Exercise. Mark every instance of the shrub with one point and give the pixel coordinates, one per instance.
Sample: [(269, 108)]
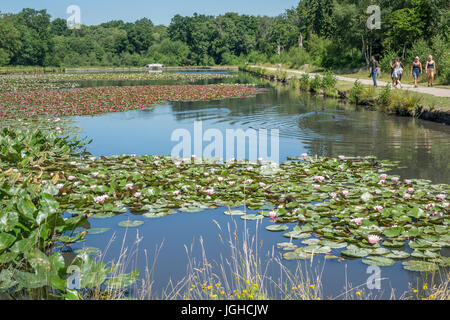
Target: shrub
[(304, 82), (315, 84), (384, 99), (296, 57), (356, 92), (329, 81)]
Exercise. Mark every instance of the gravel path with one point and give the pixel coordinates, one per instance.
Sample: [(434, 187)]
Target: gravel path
[(438, 92)]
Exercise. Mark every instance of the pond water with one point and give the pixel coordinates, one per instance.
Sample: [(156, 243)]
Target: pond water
[(306, 124)]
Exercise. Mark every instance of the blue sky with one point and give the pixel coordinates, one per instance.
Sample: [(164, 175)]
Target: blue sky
[(159, 11)]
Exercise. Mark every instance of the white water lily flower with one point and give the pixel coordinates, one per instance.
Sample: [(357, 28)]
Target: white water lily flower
[(441, 197), (232, 183), (70, 178), (333, 195), (93, 187), (101, 199), (220, 179), (345, 193), (262, 184), (95, 174), (137, 195), (210, 191), (59, 186), (407, 196), (176, 193), (378, 208), (342, 158)]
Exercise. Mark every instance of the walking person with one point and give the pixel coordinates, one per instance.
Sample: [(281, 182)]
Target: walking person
[(397, 73), (416, 71), (374, 70), (392, 65), (431, 70)]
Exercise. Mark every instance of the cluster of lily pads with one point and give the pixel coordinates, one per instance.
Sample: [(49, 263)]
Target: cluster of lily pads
[(93, 101), (71, 80), (14, 83), (342, 206)]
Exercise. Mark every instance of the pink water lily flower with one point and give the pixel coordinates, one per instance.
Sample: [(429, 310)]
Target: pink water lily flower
[(357, 221), (273, 216), (319, 178), (210, 192), (342, 158), (137, 195), (378, 208), (220, 179), (95, 174), (176, 193), (304, 156), (383, 176), (70, 178), (408, 182), (373, 239), (129, 186), (333, 195), (316, 186), (395, 179), (441, 197), (411, 190), (262, 184), (407, 196), (345, 193)]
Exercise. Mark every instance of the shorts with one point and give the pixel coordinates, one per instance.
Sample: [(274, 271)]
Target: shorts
[(416, 73), (430, 72)]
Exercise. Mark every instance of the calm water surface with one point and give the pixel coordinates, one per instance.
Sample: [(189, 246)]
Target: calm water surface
[(306, 124)]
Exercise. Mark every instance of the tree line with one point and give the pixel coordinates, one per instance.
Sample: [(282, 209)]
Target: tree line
[(327, 33)]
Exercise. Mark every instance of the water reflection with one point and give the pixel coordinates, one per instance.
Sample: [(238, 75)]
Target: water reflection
[(306, 124)]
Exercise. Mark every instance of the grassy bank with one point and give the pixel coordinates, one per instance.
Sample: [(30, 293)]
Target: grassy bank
[(384, 99)]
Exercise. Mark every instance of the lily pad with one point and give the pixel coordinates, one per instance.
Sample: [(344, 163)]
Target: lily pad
[(131, 223), (235, 213), (353, 251), (379, 261), (397, 254), (420, 266), (277, 227), (252, 217)]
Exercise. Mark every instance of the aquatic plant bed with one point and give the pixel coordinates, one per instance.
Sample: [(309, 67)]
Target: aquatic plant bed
[(93, 101), (68, 80), (347, 208)]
